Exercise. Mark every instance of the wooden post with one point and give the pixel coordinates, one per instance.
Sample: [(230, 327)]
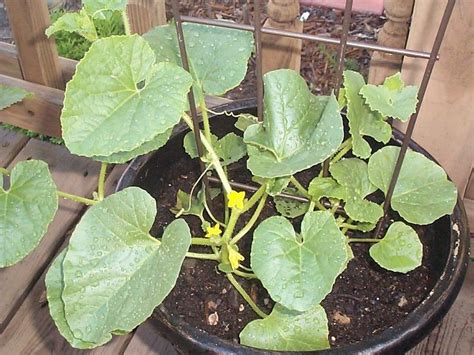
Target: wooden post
[(393, 34), (146, 14), (445, 126), (282, 52), (38, 56)]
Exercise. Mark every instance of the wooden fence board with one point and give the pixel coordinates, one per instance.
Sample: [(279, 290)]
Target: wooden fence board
[(9, 63), (10, 144), (71, 174), (146, 14), (32, 331), (39, 113), (38, 55), (455, 334)]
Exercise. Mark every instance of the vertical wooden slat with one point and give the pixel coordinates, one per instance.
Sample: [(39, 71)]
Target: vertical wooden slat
[(278, 51), (38, 55), (146, 14), (394, 33)]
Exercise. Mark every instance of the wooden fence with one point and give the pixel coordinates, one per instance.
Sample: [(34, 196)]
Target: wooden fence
[(34, 64)]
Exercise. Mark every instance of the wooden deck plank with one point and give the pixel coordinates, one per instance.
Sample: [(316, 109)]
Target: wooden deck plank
[(455, 334), (71, 174), (11, 143), (147, 341), (32, 330)]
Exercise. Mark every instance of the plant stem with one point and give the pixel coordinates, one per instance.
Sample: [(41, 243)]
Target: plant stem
[(205, 117), (301, 189), (85, 201), (345, 148), (4, 172), (312, 204), (350, 226), (234, 216), (247, 275), (214, 158), (246, 296), (254, 199), (101, 185), (364, 240), (345, 229), (203, 241), (226, 202), (251, 221), (203, 256), (126, 23)]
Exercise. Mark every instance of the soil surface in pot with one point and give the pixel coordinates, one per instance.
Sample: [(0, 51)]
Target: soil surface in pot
[(365, 300)]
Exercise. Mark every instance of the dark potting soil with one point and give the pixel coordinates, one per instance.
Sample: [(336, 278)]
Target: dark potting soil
[(365, 300)]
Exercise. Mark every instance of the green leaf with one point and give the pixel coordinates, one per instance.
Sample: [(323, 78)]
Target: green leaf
[(54, 289), (400, 250), (28, 207), (190, 146), (422, 194), (362, 121), (188, 205), (229, 149), (123, 157), (102, 9), (286, 330), (274, 186), (218, 56), (10, 95), (353, 173), (115, 273), (392, 99), (288, 207), (245, 120), (120, 99), (298, 271), (326, 187), (299, 129), (77, 22), (362, 210)]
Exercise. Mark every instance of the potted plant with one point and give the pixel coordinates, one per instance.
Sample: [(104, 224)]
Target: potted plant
[(128, 97)]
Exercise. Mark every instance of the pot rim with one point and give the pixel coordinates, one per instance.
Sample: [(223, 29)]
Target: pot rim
[(401, 336)]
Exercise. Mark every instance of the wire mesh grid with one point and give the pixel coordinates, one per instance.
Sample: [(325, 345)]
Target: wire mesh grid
[(342, 44)]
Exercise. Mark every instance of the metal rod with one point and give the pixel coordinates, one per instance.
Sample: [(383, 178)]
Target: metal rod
[(340, 62), (305, 36), (192, 101), (258, 57), (250, 188), (342, 48), (421, 94)]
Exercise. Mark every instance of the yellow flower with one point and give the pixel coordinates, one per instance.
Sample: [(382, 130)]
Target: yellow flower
[(234, 257), (236, 199), (213, 231)]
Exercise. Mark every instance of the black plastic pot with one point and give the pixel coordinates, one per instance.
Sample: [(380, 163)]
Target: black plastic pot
[(451, 264)]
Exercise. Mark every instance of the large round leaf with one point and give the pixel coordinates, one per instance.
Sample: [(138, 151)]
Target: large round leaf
[(27, 209), (218, 56), (115, 273), (299, 129), (362, 121), (299, 270), (54, 289), (10, 95), (285, 330), (400, 250), (422, 194), (122, 157), (120, 99)]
